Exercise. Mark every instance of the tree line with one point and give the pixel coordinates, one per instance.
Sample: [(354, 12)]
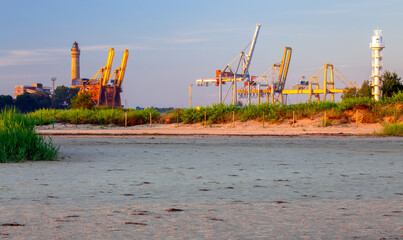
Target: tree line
[(28, 102)]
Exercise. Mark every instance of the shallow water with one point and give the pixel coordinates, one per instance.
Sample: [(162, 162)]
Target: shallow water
[(192, 170)]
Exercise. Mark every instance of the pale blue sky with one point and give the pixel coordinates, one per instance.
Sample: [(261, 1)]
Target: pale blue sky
[(173, 43)]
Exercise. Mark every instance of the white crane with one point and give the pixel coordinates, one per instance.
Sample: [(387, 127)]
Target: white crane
[(227, 74)]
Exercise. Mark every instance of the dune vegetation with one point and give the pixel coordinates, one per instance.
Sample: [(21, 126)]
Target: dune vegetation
[(19, 141), (389, 110)]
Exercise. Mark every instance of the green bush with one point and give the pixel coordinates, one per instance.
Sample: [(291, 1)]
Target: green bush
[(357, 102), (396, 98), (19, 141)]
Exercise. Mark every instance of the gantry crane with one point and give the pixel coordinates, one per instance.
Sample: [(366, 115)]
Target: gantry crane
[(103, 90), (239, 73), (316, 87), (274, 85)]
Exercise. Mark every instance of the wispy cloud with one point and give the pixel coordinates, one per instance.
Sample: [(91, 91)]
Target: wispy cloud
[(41, 56), (20, 57)]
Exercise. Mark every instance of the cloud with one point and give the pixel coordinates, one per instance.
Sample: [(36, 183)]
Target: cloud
[(43, 55), (21, 57)]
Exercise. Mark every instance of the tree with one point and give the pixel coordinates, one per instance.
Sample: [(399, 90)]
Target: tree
[(82, 101), (26, 103), (62, 96), (390, 84), (351, 93), (43, 100), (5, 101), (365, 90)]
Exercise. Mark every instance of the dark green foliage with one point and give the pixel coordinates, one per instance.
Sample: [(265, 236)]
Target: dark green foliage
[(390, 84), (82, 101), (43, 100), (351, 93), (365, 90), (26, 103), (6, 101), (19, 141), (362, 102), (62, 97)]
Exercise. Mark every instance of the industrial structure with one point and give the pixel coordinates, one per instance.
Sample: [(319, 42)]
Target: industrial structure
[(233, 75), (376, 45), (33, 89), (271, 84), (104, 87)]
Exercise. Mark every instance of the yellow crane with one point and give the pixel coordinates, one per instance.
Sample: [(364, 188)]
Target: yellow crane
[(275, 86), (103, 90), (316, 86), (117, 82)]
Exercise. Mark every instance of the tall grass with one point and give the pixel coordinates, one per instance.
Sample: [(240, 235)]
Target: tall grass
[(395, 129), (19, 141), (221, 113), (94, 116)]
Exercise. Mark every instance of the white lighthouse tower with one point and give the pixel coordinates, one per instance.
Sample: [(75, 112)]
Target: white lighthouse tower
[(376, 45)]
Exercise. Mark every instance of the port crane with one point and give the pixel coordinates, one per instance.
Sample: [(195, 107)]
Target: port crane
[(314, 86), (105, 91), (237, 73), (271, 82)]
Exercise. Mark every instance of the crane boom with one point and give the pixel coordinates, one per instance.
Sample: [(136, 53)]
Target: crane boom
[(285, 62), (122, 69), (107, 68), (252, 48)]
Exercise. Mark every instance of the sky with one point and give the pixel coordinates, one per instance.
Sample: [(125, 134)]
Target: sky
[(172, 43)]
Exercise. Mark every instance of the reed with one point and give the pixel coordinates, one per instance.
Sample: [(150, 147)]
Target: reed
[(19, 141)]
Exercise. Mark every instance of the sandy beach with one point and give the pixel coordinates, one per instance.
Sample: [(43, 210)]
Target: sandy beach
[(303, 127), (160, 187)]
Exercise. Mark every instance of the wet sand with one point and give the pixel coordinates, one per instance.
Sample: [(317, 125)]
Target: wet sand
[(227, 187)]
